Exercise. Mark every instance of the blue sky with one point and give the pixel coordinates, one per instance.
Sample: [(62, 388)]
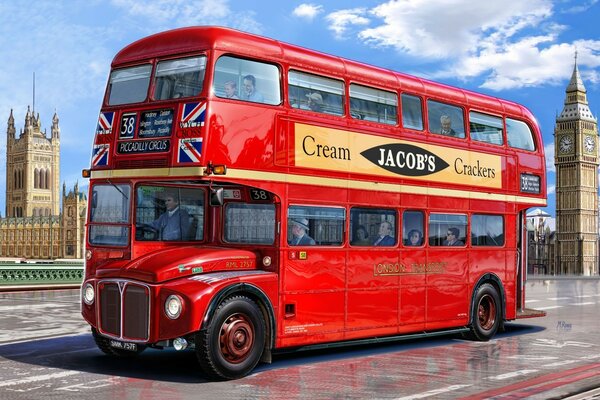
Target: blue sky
[(518, 50)]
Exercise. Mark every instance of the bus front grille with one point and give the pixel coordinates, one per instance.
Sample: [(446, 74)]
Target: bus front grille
[(124, 310)]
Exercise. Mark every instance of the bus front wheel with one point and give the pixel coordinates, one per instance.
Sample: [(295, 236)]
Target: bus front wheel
[(233, 342), (487, 317)]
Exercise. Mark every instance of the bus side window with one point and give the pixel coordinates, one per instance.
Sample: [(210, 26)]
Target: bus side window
[(254, 81), (320, 226), (445, 119), (373, 104), (487, 230), (412, 112), (412, 228), (447, 229), (373, 227), (486, 128), (316, 93), (519, 135)]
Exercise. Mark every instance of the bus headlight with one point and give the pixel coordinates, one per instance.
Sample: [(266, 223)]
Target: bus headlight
[(88, 294), (173, 306)]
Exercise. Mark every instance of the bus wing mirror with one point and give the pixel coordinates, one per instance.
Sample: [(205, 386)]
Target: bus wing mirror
[(216, 197)]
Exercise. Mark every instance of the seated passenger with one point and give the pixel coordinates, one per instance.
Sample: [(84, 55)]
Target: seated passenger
[(250, 92), (299, 233), (361, 237), (315, 101), (415, 238), (384, 238), (452, 238)]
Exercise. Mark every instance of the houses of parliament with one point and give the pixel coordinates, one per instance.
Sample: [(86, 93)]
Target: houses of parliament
[(34, 227)]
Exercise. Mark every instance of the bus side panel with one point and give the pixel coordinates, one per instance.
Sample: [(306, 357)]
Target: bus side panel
[(412, 292), (372, 282), (447, 287), (313, 301)]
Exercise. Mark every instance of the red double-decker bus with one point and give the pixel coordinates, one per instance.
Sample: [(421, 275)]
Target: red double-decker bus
[(249, 196)]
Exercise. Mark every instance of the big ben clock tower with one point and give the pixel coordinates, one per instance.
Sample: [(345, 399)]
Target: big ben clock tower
[(576, 160)]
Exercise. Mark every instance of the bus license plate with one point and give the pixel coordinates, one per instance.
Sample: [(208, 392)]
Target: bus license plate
[(123, 345)]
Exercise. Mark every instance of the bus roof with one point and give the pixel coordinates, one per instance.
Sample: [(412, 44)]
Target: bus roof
[(193, 39)]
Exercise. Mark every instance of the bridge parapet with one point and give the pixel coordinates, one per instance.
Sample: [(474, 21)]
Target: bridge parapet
[(19, 275)]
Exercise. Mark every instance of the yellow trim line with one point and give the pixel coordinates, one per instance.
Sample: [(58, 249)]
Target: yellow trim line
[(315, 180)]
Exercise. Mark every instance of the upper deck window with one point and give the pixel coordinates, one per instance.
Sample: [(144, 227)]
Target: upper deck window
[(316, 93), (519, 135), (373, 104), (486, 128), (445, 119), (179, 78), (129, 85), (241, 79), (412, 112)]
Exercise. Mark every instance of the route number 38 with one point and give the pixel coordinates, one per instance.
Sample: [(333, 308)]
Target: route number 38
[(259, 195)]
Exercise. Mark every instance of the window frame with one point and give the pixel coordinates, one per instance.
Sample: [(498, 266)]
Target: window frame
[(421, 110), (376, 93), (439, 111), (473, 226), (357, 211), (490, 116), (249, 205), (240, 79), (302, 213), (317, 86)]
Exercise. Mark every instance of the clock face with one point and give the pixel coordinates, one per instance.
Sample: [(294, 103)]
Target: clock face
[(589, 143), (566, 144)]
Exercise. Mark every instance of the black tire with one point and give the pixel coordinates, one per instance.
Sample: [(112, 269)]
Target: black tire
[(233, 342), (486, 314), (104, 345)]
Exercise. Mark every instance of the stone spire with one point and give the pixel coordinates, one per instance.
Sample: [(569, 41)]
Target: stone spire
[(576, 105), (11, 126), (55, 127)]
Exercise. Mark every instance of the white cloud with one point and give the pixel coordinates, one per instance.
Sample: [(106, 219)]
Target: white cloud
[(168, 14), (549, 153), (551, 189), (579, 8), (307, 11), (341, 20), (439, 29), (487, 39)]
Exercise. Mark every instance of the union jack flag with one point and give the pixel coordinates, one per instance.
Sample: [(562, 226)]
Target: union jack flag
[(190, 150), (192, 114), (100, 155), (105, 123)]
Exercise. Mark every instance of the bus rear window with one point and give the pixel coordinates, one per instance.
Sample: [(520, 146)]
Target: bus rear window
[(129, 85), (179, 78)]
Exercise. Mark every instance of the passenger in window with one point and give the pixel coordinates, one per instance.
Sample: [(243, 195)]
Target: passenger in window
[(230, 88), (384, 237), (174, 223), (446, 123), (299, 233), (452, 238), (361, 237), (250, 92), (315, 101), (415, 238)]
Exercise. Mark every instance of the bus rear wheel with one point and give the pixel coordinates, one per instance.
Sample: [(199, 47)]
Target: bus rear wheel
[(233, 342), (487, 317)]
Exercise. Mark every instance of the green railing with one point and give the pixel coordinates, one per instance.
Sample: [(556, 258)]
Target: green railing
[(16, 274)]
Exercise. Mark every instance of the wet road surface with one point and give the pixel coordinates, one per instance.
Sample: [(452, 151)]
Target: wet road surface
[(46, 351)]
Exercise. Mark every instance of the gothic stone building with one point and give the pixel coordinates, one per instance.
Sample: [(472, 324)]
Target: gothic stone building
[(33, 226), (576, 160)]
